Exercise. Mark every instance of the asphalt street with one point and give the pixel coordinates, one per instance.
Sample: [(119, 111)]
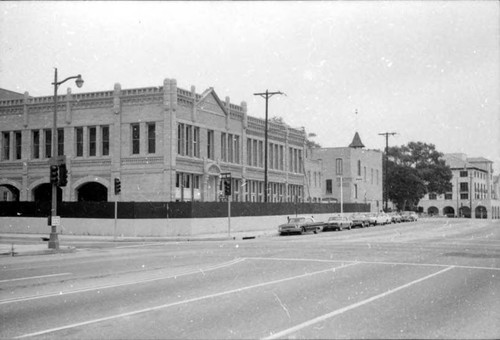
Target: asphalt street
[(427, 279)]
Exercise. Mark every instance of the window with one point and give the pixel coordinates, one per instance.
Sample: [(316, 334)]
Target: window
[(92, 141), (464, 173), (36, 144), (448, 196), (105, 140), (261, 153), (237, 149), (432, 196), (281, 159), (18, 145), (188, 141), (60, 142), (223, 147), (249, 151), (151, 138), (210, 144), (135, 139), (48, 143), (254, 151), (339, 166), (464, 187), (359, 168), (79, 141), (180, 139), (464, 196), (196, 142), (355, 191), (6, 145), (271, 156)]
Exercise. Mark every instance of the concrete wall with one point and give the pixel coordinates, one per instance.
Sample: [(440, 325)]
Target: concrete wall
[(146, 227)]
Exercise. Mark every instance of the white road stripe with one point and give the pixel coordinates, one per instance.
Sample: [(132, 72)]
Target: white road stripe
[(355, 305), (34, 277), (372, 262), (195, 271), (237, 290)]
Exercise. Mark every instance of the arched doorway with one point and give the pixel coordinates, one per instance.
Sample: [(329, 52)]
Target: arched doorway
[(43, 193), (93, 192), (449, 212), (9, 193), (433, 211), (464, 211), (481, 212)]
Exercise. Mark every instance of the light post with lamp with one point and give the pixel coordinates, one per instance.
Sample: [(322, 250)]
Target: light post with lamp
[(53, 240)]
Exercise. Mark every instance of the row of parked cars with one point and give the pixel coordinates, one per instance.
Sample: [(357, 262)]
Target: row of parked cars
[(299, 225)]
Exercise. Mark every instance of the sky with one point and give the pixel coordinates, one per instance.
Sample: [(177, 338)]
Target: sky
[(426, 70)]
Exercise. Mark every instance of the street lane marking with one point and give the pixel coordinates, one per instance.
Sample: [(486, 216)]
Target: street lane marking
[(35, 277), (371, 262), (151, 309), (88, 289), (324, 317)]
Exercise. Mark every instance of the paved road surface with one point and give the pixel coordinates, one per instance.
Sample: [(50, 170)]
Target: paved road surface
[(426, 279)]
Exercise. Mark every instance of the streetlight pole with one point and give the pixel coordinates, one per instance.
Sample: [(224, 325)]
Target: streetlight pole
[(266, 95), (386, 134), (53, 240)]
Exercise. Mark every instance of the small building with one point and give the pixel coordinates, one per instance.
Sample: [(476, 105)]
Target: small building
[(474, 190), (351, 174)]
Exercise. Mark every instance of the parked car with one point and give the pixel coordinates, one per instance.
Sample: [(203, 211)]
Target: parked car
[(373, 219), (410, 216), (360, 220), (299, 225), (383, 219), (395, 217), (337, 223)]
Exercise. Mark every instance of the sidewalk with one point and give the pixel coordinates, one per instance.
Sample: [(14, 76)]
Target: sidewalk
[(37, 244)]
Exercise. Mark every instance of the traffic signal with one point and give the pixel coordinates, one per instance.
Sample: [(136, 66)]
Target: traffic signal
[(54, 173), (63, 175), (227, 187), (118, 186)]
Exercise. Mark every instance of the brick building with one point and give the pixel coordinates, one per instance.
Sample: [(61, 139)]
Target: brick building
[(356, 169), (474, 189), (164, 144)]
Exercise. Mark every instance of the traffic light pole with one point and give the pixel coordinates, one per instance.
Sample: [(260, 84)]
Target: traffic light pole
[(226, 177)]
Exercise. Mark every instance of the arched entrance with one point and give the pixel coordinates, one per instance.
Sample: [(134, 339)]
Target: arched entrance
[(43, 193), (212, 182), (92, 192), (464, 211), (433, 211), (449, 212), (9, 193), (481, 212)]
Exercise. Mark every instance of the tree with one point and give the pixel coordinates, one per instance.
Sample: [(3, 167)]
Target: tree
[(414, 170)]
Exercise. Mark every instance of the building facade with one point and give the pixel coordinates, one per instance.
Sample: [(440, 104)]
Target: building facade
[(163, 143), (474, 190), (351, 174)]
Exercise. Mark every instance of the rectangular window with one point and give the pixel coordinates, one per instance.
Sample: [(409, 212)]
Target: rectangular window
[(463, 173), (60, 142), (223, 147), (210, 144), (79, 142), (271, 155), (196, 142), (105, 140), (151, 138), (339, 166), (136, 139), (230, 146), (281, 157), (448, 196), (6, 145), (36, 144), (18, 145), (359, 168), (92, 141), (432, 196), (180, 139), (48, 143), (254, 151), (290, 160), (464, 196), (464, 187), (355, 191), (249, 151), (301, 162), (188, 141), (237, 149), (261, 153)]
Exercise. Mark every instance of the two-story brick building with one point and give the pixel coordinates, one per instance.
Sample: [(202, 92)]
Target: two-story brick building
[(164, 143)]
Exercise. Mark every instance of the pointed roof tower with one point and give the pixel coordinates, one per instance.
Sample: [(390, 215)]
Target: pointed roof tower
[(356, 142)]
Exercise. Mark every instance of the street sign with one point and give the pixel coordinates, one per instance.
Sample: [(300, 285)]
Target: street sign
[(56, 221)]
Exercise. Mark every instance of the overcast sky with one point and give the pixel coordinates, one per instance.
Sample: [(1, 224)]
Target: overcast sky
[(426, 70)]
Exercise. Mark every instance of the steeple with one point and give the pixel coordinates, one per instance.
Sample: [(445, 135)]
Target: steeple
[(356, 142)]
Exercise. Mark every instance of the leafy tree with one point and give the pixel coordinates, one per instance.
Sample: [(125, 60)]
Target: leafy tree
[(414, 170)]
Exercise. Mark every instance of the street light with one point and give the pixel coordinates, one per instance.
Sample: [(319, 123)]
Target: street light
[(53, 240)]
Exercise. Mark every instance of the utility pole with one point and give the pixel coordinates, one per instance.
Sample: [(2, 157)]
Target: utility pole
[(386, 134), (266, 95)]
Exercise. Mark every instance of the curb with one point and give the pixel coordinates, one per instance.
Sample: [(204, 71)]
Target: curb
[(61, 250)]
